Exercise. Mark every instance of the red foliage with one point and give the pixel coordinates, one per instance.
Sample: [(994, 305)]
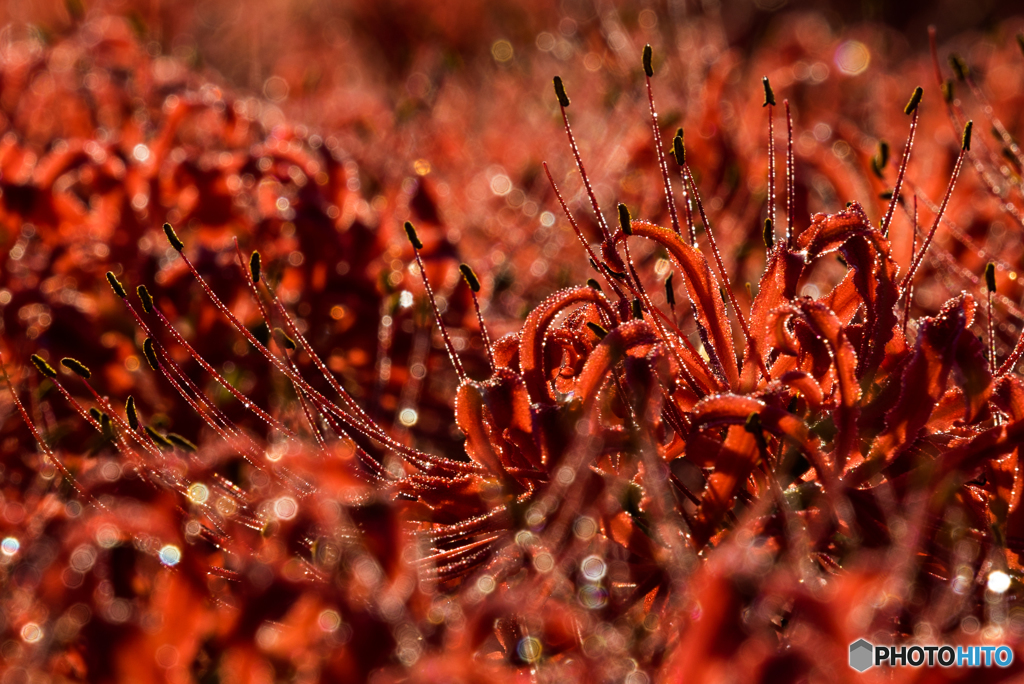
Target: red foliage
[(736, 489)]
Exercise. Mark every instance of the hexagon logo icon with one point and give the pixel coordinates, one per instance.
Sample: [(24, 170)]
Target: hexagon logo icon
[(861, 655)]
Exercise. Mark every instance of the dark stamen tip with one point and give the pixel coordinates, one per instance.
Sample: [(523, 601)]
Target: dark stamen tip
[(768, 234), (116, 285), (76, 367), (149, 349), (182, 443), (876, 168), (255, 267), (965, 143), (145, 298), (160, 440), (43, 367), (470, 277), (948, 92), (753, 424), (597, 330), (172, 237), (563, 99), (670, 293), (132, 413), (648, 55), (915, 100), (625, 219), (990, 276), (678, 149), (769, 94), (638, 309), (959, 66), (410, 230)]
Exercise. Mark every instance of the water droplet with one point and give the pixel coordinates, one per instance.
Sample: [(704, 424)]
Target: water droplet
[(170, 555), (9, 546)]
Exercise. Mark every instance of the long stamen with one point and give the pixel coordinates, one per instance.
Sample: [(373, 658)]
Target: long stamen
[(965, 146), (990, 287), (912, 110), (679, 152), (79, 369), (597, 263), (289, 348), (956, 114), (563, 102), (148, 306), (47, 451), (359, 422), (414, 239), (1010, 146), (252, 277), (153, 354), (469, 275), (790, 174), (211, 414), (769, 104), (92, 416), (913, 250), (642, 297), (669, 196), (327, 409), (725, 280)]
